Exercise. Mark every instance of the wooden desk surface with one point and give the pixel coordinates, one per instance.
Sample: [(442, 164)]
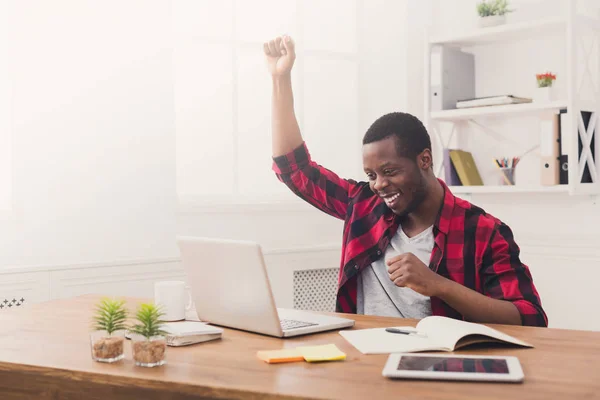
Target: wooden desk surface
[(45, 354)]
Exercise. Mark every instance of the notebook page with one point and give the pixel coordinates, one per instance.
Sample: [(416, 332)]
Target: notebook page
[(378, 341), (449, 331)]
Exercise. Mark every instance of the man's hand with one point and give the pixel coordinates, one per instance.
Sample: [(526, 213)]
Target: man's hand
[(406, 270), (280, 54)]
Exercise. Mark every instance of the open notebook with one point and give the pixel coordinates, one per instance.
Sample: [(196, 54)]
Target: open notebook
[(431, 334)]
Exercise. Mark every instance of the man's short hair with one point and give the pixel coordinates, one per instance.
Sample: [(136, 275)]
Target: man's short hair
[(410, 133)]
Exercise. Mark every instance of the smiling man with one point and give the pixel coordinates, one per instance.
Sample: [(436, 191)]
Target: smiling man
[(410, 247)]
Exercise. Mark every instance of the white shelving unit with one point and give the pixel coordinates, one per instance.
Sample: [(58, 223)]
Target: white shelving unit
[(510, 109), (501, 33), (509, 189), (572, 25)]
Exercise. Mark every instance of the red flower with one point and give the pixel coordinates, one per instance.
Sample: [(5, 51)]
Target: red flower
[(544, 76)]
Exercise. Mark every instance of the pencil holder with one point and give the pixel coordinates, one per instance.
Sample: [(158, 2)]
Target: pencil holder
[(507, 176)]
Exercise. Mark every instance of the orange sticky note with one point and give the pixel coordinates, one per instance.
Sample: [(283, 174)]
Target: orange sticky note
[(280, 356)]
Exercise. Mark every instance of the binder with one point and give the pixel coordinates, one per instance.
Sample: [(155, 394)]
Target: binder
[(549, 150), (586, 116), (564, 132), (452, 77), (563, 138)]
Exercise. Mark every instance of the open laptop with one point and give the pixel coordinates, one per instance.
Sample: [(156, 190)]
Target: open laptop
[(230, 287)]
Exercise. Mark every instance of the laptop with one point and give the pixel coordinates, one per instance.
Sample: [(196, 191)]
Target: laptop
[(230, 287)]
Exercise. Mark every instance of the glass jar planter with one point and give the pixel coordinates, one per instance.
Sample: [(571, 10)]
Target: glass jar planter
[(107, 347), (149, 352)]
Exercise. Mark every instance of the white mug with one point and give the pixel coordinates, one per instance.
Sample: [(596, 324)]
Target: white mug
[(174, 297)]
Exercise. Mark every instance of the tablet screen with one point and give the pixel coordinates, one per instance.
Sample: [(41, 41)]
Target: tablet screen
[(452, 364)]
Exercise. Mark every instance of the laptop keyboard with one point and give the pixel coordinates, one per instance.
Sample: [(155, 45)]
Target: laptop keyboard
[(287, 324)]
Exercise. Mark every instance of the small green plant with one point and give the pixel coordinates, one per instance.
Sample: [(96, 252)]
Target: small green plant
[(149, 321), (110, 316), (487, 8)]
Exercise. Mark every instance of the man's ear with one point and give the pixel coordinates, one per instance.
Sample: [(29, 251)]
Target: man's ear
[(425, 160)]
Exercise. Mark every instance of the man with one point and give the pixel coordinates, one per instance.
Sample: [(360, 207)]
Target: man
[(410, 248)]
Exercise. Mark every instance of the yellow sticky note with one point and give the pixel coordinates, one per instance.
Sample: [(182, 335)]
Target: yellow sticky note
[(328, 352), (280, 356)]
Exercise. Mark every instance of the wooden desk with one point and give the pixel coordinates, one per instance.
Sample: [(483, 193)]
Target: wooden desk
[(45, 354)]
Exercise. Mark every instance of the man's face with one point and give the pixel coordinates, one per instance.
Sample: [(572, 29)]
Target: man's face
[(398, 180)]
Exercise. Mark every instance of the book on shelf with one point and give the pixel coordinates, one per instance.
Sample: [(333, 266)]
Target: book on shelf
[(450, 175), (492, 101), (465, 167)]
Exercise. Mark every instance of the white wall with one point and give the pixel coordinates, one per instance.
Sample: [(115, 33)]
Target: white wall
[(5, 116), (93, 138)]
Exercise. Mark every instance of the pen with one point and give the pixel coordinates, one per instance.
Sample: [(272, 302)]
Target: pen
[(402, 331)]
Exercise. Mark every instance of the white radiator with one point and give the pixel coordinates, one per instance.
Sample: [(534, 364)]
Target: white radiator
[(315, 289)]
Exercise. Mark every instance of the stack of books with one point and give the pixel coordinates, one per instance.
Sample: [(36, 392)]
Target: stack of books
[(492, 101), (183, 333)]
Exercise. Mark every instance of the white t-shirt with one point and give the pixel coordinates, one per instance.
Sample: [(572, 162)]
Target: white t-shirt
[(378, 295)]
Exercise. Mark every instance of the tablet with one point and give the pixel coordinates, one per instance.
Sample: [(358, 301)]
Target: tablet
[(453, 367)]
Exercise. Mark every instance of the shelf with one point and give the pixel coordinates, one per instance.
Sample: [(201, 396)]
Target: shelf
[(509, 189), (468, 113), (501, 33)]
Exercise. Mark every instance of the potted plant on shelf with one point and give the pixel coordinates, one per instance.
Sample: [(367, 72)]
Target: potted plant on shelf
[(108, 335), (545, 90), (492, 12), (148, 339)]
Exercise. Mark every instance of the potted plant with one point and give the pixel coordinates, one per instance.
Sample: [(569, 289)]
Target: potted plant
[(148, 339), (544, 91), (108, 335), (492, 12)]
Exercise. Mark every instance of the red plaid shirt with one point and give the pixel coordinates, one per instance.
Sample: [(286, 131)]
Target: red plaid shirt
[(471, 247)]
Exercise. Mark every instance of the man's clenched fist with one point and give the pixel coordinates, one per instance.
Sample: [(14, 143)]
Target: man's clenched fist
[(280, 55), (406, 270)]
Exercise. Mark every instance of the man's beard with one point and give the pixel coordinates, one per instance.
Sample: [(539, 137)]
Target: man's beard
[(419, 193)]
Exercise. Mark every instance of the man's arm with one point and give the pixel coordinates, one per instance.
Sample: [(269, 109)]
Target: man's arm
[(509, 295), (505, 277), (292, 162), (406, 270), (477, 307), (281, 55)]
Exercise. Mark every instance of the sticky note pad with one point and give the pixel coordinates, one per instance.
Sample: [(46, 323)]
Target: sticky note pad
[(280, 356), (328, 352)]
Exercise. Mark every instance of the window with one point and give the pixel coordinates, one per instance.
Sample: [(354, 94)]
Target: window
[(223, 93)]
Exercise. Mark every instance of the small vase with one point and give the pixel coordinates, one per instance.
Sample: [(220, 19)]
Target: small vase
[(544, 94), (492, 20), (107, 348), (149, 352)]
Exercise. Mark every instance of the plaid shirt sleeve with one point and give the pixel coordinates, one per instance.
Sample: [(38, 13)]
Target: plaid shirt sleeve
[(505, 277), (313, 183)]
